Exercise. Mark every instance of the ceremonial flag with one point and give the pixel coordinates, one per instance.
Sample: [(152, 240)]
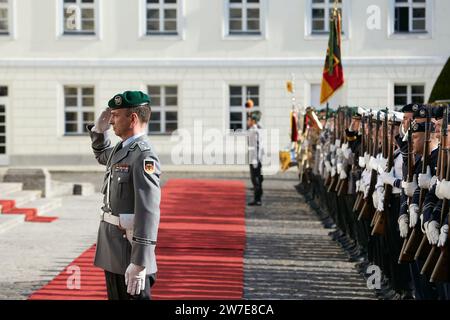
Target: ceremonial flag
[(333, 73)]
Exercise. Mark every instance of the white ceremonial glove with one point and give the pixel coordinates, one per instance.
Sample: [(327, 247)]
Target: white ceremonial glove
[(375, 199), (357, 184), (373, 164), (102, 123), (366, 191), (433, 181), (255, 164), (410, 187), (333, 171), (382, 165), (432, 232), (339, 168), (388, 178), (135, 279), (443, 189), (380, 203), (361, 162), (338, 143), (443, 236), (344, 146), (327, 166), (403, 224), (342, 175), (347, 153), (333, 162), (332, 148), (425, 179), (413, 214), (339, 152), (366, 159)]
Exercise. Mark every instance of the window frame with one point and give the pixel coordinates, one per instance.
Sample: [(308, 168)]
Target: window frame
[(79, 109), (11, 7), (345, 19), (429, 25), (96, 35), (163, 108), (244, 96), (143, 33), (409, 94), (263, 21)]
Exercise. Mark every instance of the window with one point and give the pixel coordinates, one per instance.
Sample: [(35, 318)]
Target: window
[(238, 96), (3, 95), (405, 94), (410, 16), (4, 17), (162, 17), (244, 17), (164, 117), (78, 109), (321, 12), (79, 17)]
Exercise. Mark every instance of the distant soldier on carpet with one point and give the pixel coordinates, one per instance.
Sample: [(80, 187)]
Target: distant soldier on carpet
[(131, 204), (255, 153)]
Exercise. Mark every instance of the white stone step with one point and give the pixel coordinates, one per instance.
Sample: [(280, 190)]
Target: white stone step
[(60, 188), (9, 187), (22, 197), (43, 205), (9, 221)]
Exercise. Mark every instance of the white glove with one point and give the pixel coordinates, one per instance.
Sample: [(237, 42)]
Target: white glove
[(357, 184), (255, 164), (339, 168), (375, 199), (333, 162), (342, 175), (388, 178), (382, 165), (432, 232), (373, 164), (443, 189), (443, 236), (327, 166), (344, 146), (361, 162), (403, 224), (380, 203), (102, 123), (413, 214), (347, 153), (366, 190), (433, 181), (410, 187), (366, 159), (333, 171), (425, 179), (332, 148), (338, 143), (339, 152), (135, 279)]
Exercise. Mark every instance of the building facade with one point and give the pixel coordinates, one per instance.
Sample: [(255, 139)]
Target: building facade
[(62, 60)]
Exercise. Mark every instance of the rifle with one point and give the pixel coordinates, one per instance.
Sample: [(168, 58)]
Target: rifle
[(441, 272), (358, 203), (433, 254), (337, 127), (403, 256), (415, 236), (388, 152), (368, 210)]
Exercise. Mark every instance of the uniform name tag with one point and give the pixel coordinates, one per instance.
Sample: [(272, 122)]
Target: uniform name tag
[(122, 167)]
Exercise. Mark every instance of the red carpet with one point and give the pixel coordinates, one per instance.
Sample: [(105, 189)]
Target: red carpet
[(200, 247), (31, 214)]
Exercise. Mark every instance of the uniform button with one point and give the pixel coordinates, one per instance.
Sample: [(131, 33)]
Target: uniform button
[(124, 235), (118, 178)]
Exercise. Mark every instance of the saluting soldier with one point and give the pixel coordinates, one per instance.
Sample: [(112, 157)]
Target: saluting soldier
[(131, 204)]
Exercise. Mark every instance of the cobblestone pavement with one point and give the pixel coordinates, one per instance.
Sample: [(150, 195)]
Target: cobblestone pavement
[(288, 254)]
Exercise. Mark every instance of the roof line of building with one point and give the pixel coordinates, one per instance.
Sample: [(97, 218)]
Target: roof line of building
[(218, 62)]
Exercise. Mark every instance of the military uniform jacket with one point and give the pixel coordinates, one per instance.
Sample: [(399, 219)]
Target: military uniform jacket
[(134, 189), (255, 149)]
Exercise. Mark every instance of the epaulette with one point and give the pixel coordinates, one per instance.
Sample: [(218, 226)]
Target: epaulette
[(143, 145)]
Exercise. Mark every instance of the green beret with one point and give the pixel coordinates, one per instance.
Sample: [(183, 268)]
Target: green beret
[(129, 99), (256, 115)]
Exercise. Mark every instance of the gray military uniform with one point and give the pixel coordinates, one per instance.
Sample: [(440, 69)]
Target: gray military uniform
[(132, 190)]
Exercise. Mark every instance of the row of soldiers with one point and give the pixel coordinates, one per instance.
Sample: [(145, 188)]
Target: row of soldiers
[(383, 179)]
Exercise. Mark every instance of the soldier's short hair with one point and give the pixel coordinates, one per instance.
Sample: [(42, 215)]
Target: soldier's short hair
[(143, 112)]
